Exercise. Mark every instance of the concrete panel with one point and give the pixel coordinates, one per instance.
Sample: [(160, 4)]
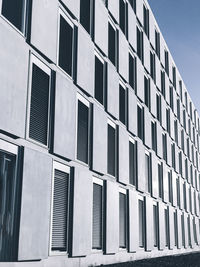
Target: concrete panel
[(174, 188), (147, 123), (101, 26), (159, 141), (123, 56), (165, 183), (113, 7), (149, 223), (140, 80), (112, 217), (146, 53), (82, 212), (158, 73), (132, 28), (35, 206), (154, 161), (139, 11), (187, 197), (141, 166), (85, 62), (123, 156), (99, 161), (133, 221), (113, 91), (132, 111), (74, 6), (45, 17), (153, 98), (65, 118), (151, 28), (171, 227), (13, 76), (161, 215), (162, 50)]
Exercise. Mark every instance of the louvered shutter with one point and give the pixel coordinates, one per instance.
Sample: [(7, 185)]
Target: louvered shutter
[(39, 108), (97, 217), (122, 220), (60, 211)]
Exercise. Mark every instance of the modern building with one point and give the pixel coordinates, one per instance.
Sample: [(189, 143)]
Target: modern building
[(99, 138)]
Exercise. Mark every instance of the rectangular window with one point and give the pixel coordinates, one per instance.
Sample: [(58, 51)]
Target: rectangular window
[(39, 101), (83, 130), (60, 208), (178, 109), (133, 4), (132, 71), (176, 131), (184, 196), (122, 220), (180, 163), (86, 15), (155, 225), (99, 79), (173, 156), (178, 191), (152, 66), (171, 94), (111, 148), (141, 223), (15, 13), (148, 172), (160, 180), (166, 227), (186, 169), (189, 233), (154, 136), (132, 162), (122, 15), (167, 62), (140, 44), (174, 76), (163, 83), (158, 108), (157, 43), (168, 120), (112, 43), (97, 214), (140, 122), (66, 36), (147, 96), (186, 101), (146, 20), (183, 229), (164, 141), (170, 187), (175, 229), (184, 120), (122, 103)]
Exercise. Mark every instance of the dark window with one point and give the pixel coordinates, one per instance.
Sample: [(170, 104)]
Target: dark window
[(155, 225), (178, 191), (140, 122), (14, 11), (112, 43), (146, 20), (39, 108), (132, 163), (173, 156), (140, 44), (160, 180), (174, 76), (170, 187), (122, 104), (184, 120), (168, 120), (157, 43), (164, 140), (158, 107), (99, 80), (141, 223), (180, 163), (132, 71), (186, 101), (147, 173), (82, 132), (181, 90), (147, 97), (133, 4), (85, 14), (111, 150), (171, 94), (97, 216), (166, 228), (178, 109), (60, 211), (184, 196), (176, 131), (122, 16), (163, 83), (122, 220), (189, 233), (9, 206), (167, 62), (175, 229), (154, 136), (183, 229), (152, 66), (65, 46)]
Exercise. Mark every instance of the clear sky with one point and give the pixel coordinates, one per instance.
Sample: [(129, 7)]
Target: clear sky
[(179, 22)]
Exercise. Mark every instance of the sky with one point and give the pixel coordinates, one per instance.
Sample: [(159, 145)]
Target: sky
[(179, 22)]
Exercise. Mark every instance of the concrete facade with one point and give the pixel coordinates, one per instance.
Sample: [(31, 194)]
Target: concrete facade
[(152, 158)]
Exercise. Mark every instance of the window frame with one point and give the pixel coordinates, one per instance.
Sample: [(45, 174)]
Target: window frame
[(100, 57), (114, 126), (112, 24), (131, 140), (124, 192)]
